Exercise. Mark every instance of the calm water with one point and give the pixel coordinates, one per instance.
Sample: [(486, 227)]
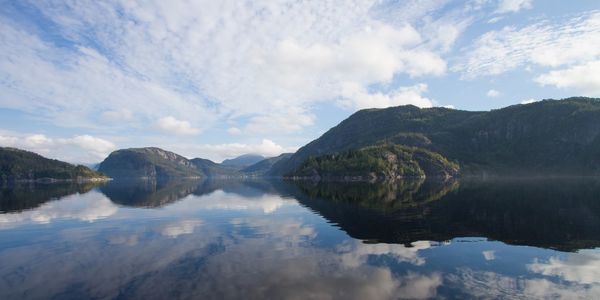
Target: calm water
[(278, 240)]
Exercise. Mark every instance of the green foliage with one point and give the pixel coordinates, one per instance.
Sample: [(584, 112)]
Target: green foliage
[(18, 165), (381, 161)]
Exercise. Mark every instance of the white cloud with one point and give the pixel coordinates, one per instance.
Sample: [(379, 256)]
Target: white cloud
[(234, 131), (117, 115), (356, 96), (529, 101), (495, 19), (547, 43), (85, 89), (202, 61), (171, 125), (489, 254), (584, 78), (284, 120), (219, 152), (77, 149), (493, 93), (513, 5)]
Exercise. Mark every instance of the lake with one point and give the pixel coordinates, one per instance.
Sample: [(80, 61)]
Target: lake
[(259, 239)]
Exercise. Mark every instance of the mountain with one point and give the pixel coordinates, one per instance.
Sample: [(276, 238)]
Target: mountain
[(151, 163), (213, 169), (21, 165), (243, 160), (550, 137), (265, 165)]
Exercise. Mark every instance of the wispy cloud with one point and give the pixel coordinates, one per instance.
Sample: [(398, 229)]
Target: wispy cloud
[(493, 93), (584, 78), (171, 125), (505, 6), (127, 64), (545, 43)]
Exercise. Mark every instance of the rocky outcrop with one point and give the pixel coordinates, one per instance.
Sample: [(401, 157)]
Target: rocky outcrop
[(150, 163)]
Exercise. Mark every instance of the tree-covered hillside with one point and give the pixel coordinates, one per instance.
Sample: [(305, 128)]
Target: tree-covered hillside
[(18, 165), (386, 161), (547, 137)]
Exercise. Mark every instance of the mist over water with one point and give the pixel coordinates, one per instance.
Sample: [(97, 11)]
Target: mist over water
[(297, 240)]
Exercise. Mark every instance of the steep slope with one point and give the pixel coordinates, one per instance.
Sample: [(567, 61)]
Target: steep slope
[(17, 165), (150, 162), (213, 169), (546, 137), (243, 160), (265, 165)]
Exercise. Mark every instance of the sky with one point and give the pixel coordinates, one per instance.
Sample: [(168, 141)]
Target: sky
[(217, 79)]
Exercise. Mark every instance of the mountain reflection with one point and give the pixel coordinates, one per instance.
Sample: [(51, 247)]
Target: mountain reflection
[(24, 196), (148, 193), (153, 193), (256, 239), (557, 214)]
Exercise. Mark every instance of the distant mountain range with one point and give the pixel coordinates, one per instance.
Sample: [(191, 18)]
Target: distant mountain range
[(21, 165), (156, 163), (546, 138), (243, 160)]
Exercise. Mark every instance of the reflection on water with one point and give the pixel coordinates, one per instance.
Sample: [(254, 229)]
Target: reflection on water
[(29, 195), (557, 214), (280, 240)]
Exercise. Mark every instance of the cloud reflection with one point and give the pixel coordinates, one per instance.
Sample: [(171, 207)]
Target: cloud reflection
[(491, 285), (87, 207), (582, 267), (220, 200), (181, 227)]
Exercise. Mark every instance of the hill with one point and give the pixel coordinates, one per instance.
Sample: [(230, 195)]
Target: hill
[(378, 162), (21, 165), (212, 169), (151, 163), (550, 137), (263, 166), (243, 160)]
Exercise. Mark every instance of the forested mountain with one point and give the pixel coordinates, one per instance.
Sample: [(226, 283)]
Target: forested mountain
[(558, 137), (19, 165), (243, 160)]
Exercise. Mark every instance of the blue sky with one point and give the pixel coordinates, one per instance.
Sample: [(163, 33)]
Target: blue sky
[(216, 79)]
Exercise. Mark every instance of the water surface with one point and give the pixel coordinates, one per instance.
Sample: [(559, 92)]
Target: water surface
[(279, 240)]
